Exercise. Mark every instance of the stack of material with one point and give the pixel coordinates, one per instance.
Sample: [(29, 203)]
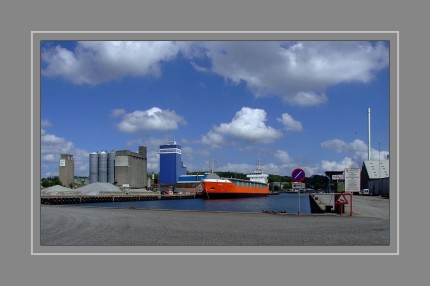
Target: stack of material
[(98, 188), (58, 190)]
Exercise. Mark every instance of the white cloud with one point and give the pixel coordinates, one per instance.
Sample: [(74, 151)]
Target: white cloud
[(378, 155), (52, 147), (151, 119), (338, 166), (187, 155), (283, 156), (94, 62), (45, 124), (335, 144), (117, 112), (298, 72), (310, 171), (51, 144), (236, 167), (357, 149), (153, 160), (213, 138), (289, 123), (248, 124), (198, 68), (303, 98)]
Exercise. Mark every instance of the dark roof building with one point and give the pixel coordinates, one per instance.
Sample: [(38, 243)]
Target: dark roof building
[(375, 176)]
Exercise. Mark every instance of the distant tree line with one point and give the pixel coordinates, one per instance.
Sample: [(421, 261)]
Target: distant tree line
[(50, 181)]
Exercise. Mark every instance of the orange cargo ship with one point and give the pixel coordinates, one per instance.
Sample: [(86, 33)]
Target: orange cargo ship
[(215, 187)]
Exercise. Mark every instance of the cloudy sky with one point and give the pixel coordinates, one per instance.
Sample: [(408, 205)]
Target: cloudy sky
[(288, 104)]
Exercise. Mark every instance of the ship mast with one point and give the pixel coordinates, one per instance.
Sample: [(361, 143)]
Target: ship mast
[(212, 163), (259, 170)]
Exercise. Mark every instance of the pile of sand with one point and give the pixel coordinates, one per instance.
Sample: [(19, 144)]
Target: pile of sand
[(95, 189), (58, 190)]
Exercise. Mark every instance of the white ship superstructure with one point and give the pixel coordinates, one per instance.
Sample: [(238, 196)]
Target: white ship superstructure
[(258, 175)]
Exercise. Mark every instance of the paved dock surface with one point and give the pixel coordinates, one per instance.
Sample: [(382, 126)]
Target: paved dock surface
[(363, 206), (85, 226)]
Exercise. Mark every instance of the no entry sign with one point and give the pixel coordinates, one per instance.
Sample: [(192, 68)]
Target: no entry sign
[(298, 175)]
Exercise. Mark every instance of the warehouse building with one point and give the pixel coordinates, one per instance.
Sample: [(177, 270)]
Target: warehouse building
[(375, 176)]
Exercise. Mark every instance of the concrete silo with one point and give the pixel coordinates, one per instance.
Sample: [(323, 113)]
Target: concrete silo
[(94, 167), (103, 169), (67, 170), (131, 168), (111, 167)]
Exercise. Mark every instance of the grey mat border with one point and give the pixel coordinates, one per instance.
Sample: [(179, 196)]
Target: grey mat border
[(392, 36)]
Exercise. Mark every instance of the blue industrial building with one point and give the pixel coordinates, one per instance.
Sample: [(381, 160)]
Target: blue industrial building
[(171, 165), (191, 178)]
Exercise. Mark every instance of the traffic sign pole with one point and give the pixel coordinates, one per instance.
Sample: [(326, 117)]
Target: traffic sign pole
[(342, 201), (298, 175)]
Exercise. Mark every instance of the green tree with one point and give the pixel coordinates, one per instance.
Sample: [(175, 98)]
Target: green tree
[(50, 181)]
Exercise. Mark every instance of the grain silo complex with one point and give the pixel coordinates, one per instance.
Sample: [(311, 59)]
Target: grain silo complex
[(121, 167), (101, 165)]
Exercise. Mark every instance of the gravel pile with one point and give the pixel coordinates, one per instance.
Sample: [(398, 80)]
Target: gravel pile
[(58, 190), (95, 189)]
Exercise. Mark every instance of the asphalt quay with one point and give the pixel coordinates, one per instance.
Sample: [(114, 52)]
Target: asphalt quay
[(91, 226)]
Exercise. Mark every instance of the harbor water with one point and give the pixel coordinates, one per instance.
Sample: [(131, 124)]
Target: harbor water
[(284, 202)]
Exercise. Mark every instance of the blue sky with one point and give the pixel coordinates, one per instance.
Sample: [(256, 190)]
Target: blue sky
[(288, 104)]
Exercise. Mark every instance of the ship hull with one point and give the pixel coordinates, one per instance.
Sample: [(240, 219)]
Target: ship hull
[(226, 189)]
